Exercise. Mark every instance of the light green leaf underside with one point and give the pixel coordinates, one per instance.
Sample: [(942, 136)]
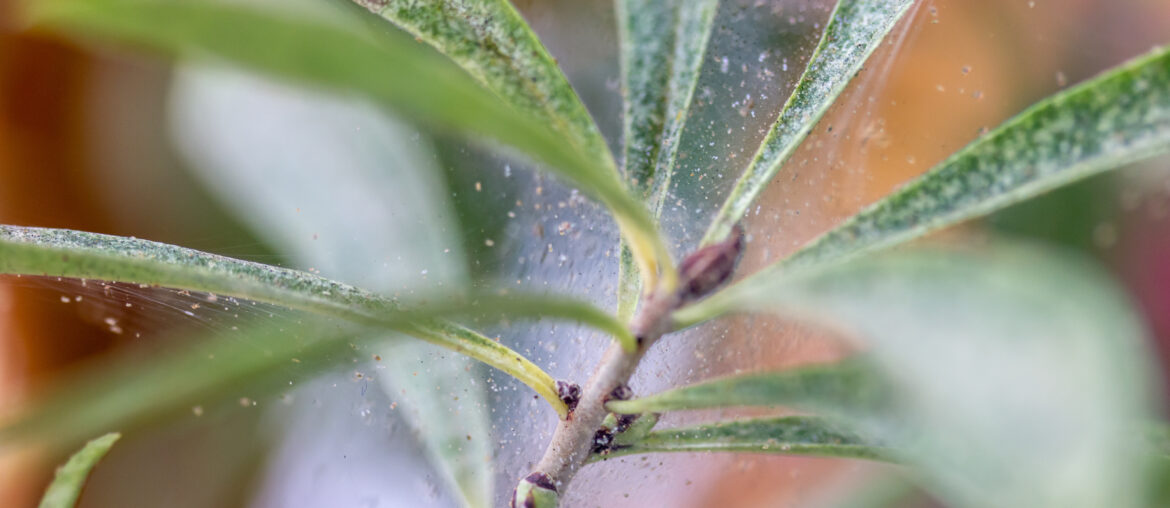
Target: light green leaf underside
[(373, 190), (65, 253), (491, 41), (445, 400), (129, 392), (1004, 362), (1115, 119), (794, 435), (662, 47), (854, 384), (392, 70), (855, 29), (70, 478)]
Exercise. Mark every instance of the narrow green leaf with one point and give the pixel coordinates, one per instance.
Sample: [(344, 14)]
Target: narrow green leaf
[(1017, 372), (392, 70), (854, 384), (491, 41), (65, 253), (662, 48), (854, 31), (1118, 118), (70, 477), (793, 435)]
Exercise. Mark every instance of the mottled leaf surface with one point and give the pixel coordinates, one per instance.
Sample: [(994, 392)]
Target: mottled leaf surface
[(492, 42), (855, 29), (70, 478), (662, 47), (1118, 118)]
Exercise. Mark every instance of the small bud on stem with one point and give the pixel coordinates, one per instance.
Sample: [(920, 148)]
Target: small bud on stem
[(537, 490), (704, 270), (570, 394)]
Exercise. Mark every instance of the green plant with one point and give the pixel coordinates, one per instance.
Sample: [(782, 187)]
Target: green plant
[(1070, 383)]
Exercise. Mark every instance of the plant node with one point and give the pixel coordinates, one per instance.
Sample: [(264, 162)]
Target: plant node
[(570, 394)]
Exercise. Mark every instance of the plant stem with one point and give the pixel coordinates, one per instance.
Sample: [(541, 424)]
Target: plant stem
[(573, 439), (699, 274)]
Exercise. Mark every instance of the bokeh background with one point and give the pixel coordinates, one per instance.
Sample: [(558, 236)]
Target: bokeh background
[(88, 140)]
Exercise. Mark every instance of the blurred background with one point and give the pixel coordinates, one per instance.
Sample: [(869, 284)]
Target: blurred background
[(107, 140)]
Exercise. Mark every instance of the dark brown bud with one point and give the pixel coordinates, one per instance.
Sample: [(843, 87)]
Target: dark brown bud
[(709, 267), (570, 393), (622, 392), (602, 440), (624, 422)]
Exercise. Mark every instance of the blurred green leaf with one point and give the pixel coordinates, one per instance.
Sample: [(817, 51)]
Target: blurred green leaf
[(793, 435), (855, 386), (129, 392), (70, 477), (662, 48), (65, 253), (392, 70), (1115, 119), (854, 31), (491, 41), (444, 399), (268, 149), (1018, 372)]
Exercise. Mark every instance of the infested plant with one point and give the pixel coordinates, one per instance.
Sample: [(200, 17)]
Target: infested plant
[(999, 375)]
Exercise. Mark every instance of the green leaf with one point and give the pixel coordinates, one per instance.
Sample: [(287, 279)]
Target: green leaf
[(444, 399), (65, 253), (374, 191), (854, 385), (1118, 118), (662, 48), (490, 40), (392, 70), (129, 392), (70, 477), (854, 31), (793, 435), (1156, 439), (1018, 371)]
